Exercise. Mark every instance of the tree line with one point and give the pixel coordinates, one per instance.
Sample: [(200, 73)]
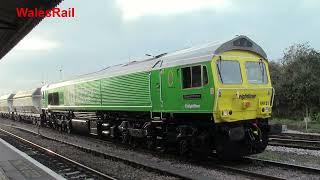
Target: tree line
[(296, 79)]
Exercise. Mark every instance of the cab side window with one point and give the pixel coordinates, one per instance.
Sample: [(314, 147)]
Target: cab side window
[(53, 98), (205, 75), (49, 98), (194, 76), (186, 77)]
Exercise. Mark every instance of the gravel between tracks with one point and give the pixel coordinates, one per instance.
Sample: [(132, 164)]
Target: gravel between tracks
[(278, 171), (115, 169), (121, 170)]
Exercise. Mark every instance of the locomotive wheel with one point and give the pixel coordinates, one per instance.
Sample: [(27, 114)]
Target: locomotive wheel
[(133, 142), (59, 127), (68, 128), (263, 143), (201, 146), (227, 150), (220, 149), (150, 143), (183, 147), (38, 123), (64, 127), (125, 138)]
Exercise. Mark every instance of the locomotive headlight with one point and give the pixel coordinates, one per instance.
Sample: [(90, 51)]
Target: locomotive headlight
[(226, 112), (267, 109)]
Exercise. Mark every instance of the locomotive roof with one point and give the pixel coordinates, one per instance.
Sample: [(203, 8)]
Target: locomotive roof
[(28, 93), (207, 51), (7, 97), (182, 57)]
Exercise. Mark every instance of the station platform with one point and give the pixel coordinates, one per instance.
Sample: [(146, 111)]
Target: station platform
[(17, 165)]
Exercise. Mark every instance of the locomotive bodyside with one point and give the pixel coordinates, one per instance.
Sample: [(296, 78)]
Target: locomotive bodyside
[(107, 93)]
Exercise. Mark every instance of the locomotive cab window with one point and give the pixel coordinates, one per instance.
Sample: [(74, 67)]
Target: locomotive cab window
[(53, 98), (229, 72), (195, 76), (256, 73), (186, 77)]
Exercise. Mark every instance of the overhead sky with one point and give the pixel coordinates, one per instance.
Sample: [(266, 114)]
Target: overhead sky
[(108, 32)]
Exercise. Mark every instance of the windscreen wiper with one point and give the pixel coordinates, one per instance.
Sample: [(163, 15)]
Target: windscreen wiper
[(218, 67), (262, 69)]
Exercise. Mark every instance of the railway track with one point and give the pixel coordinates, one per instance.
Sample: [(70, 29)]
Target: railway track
[(212, 164), (294, 167), (238, 170), (303, 141), (298, 136), (62, 165), (149, 167), (251, 167)]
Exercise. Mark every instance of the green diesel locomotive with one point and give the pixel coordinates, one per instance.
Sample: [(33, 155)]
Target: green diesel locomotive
[(197, 100)]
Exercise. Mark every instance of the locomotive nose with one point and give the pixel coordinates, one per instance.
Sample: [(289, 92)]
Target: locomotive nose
[(241, 104)]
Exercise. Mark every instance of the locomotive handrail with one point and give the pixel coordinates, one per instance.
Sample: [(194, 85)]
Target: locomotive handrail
[(273, 92)]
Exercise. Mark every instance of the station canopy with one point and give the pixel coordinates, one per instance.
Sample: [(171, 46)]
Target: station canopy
[(13, 28)]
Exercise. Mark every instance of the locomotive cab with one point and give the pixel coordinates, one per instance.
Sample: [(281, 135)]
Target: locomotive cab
[(243, 87), (243, 102)]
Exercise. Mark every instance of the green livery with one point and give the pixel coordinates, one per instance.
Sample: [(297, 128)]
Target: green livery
[(152, 91)]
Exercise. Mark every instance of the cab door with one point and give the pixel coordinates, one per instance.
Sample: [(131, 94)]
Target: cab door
[(184, 89), (195, 89), (155, 91), (170, 89)]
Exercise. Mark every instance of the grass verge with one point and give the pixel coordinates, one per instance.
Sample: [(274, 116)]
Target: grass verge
[(299, 125)]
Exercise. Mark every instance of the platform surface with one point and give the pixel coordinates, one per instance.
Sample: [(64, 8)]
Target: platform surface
[(17, 165)]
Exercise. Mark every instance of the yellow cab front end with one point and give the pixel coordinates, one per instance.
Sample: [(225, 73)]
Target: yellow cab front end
[(243, 102)]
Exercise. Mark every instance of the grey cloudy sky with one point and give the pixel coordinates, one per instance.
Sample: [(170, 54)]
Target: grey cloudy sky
[(107, 32)]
